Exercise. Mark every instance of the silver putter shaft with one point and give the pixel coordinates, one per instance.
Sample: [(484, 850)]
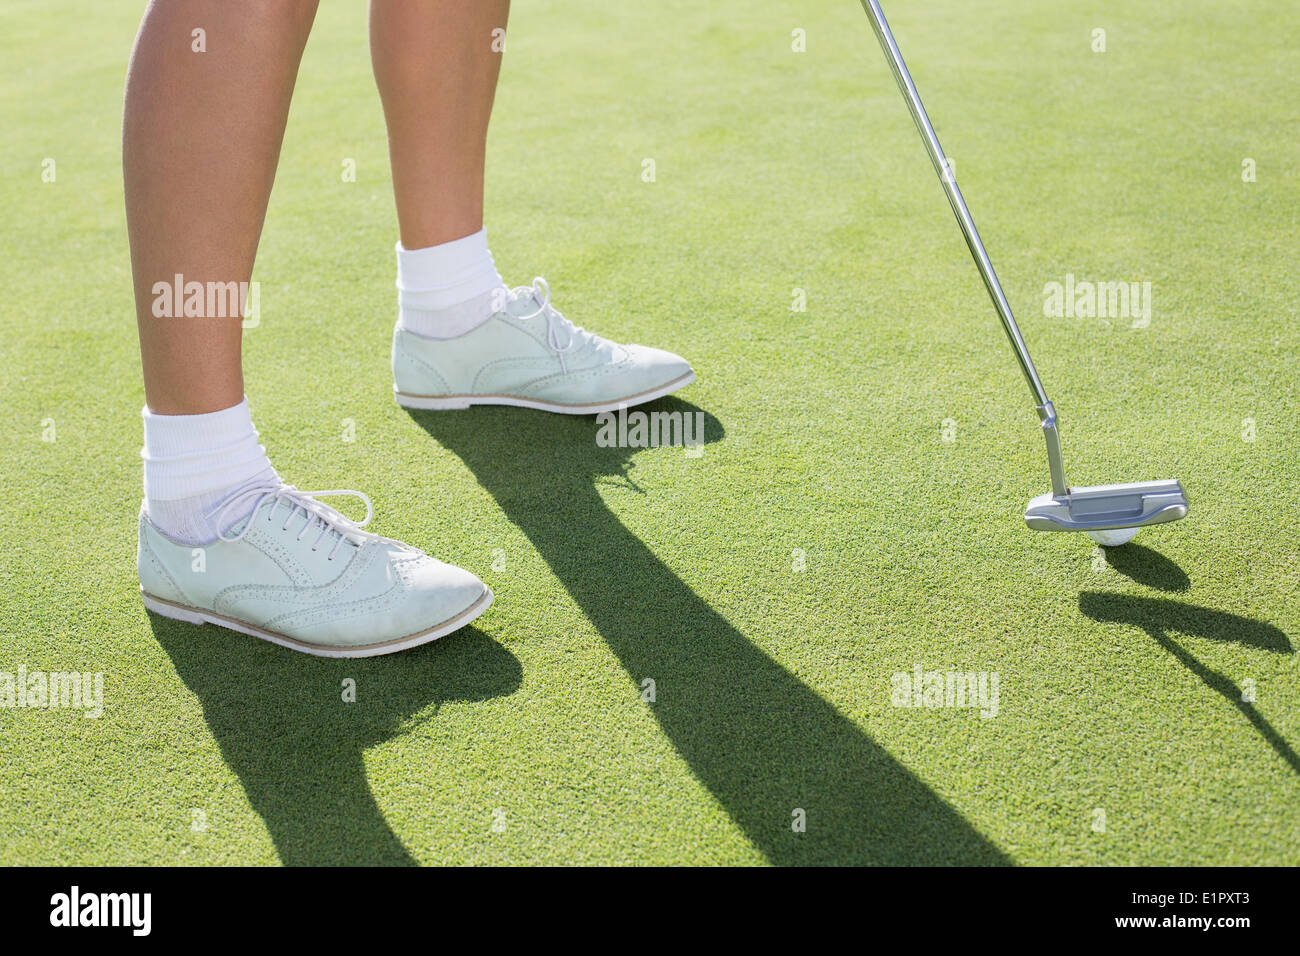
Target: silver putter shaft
[(1065, 508)]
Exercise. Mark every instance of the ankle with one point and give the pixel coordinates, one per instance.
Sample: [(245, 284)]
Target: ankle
[(194, 462), (449, 289)]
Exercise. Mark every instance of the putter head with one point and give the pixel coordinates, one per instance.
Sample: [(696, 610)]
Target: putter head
[(1108, 506)]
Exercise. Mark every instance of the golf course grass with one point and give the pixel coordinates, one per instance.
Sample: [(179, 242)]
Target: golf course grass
[(692, 658)]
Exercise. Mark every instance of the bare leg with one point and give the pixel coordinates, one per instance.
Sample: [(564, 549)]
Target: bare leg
[(437, 74), (200, 142), (437, 66)]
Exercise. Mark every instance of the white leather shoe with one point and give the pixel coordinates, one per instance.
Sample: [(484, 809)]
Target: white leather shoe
[(301, 575), (528, 354)]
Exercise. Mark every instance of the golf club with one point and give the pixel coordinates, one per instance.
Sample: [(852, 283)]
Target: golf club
[(1094, 509)]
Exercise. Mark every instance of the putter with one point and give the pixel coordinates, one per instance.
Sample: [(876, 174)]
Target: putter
[(1090, 509)]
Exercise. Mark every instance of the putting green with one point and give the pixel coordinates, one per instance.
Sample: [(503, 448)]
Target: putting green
[(854, 515)]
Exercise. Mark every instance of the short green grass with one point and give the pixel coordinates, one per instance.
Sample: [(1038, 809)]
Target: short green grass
[(1148, 700)]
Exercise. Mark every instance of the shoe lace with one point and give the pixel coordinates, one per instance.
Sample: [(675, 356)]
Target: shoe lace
[(318, 515), (556, 324)]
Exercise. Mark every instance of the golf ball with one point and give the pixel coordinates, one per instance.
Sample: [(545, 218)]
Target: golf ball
[(1113, 537)]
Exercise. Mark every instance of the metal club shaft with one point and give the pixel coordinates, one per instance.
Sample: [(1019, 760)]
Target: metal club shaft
[(1042, 404), (955, 199)]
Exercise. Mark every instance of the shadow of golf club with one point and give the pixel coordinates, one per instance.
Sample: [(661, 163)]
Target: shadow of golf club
[(763, 743), (1160, 617), (282, 726), (1147, 567)]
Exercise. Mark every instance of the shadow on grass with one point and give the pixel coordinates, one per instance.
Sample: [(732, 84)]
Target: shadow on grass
[(1161, 617), (761, 741), (1147, 567), (298, 749)]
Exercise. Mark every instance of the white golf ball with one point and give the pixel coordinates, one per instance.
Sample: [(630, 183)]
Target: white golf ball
[(1113, 537)]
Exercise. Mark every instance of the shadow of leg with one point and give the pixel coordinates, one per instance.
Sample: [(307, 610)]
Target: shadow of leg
[(297, 748), (1158, 617), (761, 741)]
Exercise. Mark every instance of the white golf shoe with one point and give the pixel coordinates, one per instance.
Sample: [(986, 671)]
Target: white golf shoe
[(300, 574), (528, 354)]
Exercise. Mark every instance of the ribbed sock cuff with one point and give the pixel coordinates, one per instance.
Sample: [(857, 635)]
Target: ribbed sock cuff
[(189, 455), (446, 275)]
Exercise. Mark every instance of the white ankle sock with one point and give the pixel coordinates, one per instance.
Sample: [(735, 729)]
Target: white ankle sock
[(194, 462), (448, 289)]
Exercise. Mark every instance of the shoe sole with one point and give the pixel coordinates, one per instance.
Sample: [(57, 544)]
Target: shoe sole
[(194, 615), (454, 402)]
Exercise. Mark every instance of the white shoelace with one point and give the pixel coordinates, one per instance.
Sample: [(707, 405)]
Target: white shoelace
[(540, 293), (315, 513)]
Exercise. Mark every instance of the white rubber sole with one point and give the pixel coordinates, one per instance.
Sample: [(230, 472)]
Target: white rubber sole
[(193, 615), (454, 402)]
